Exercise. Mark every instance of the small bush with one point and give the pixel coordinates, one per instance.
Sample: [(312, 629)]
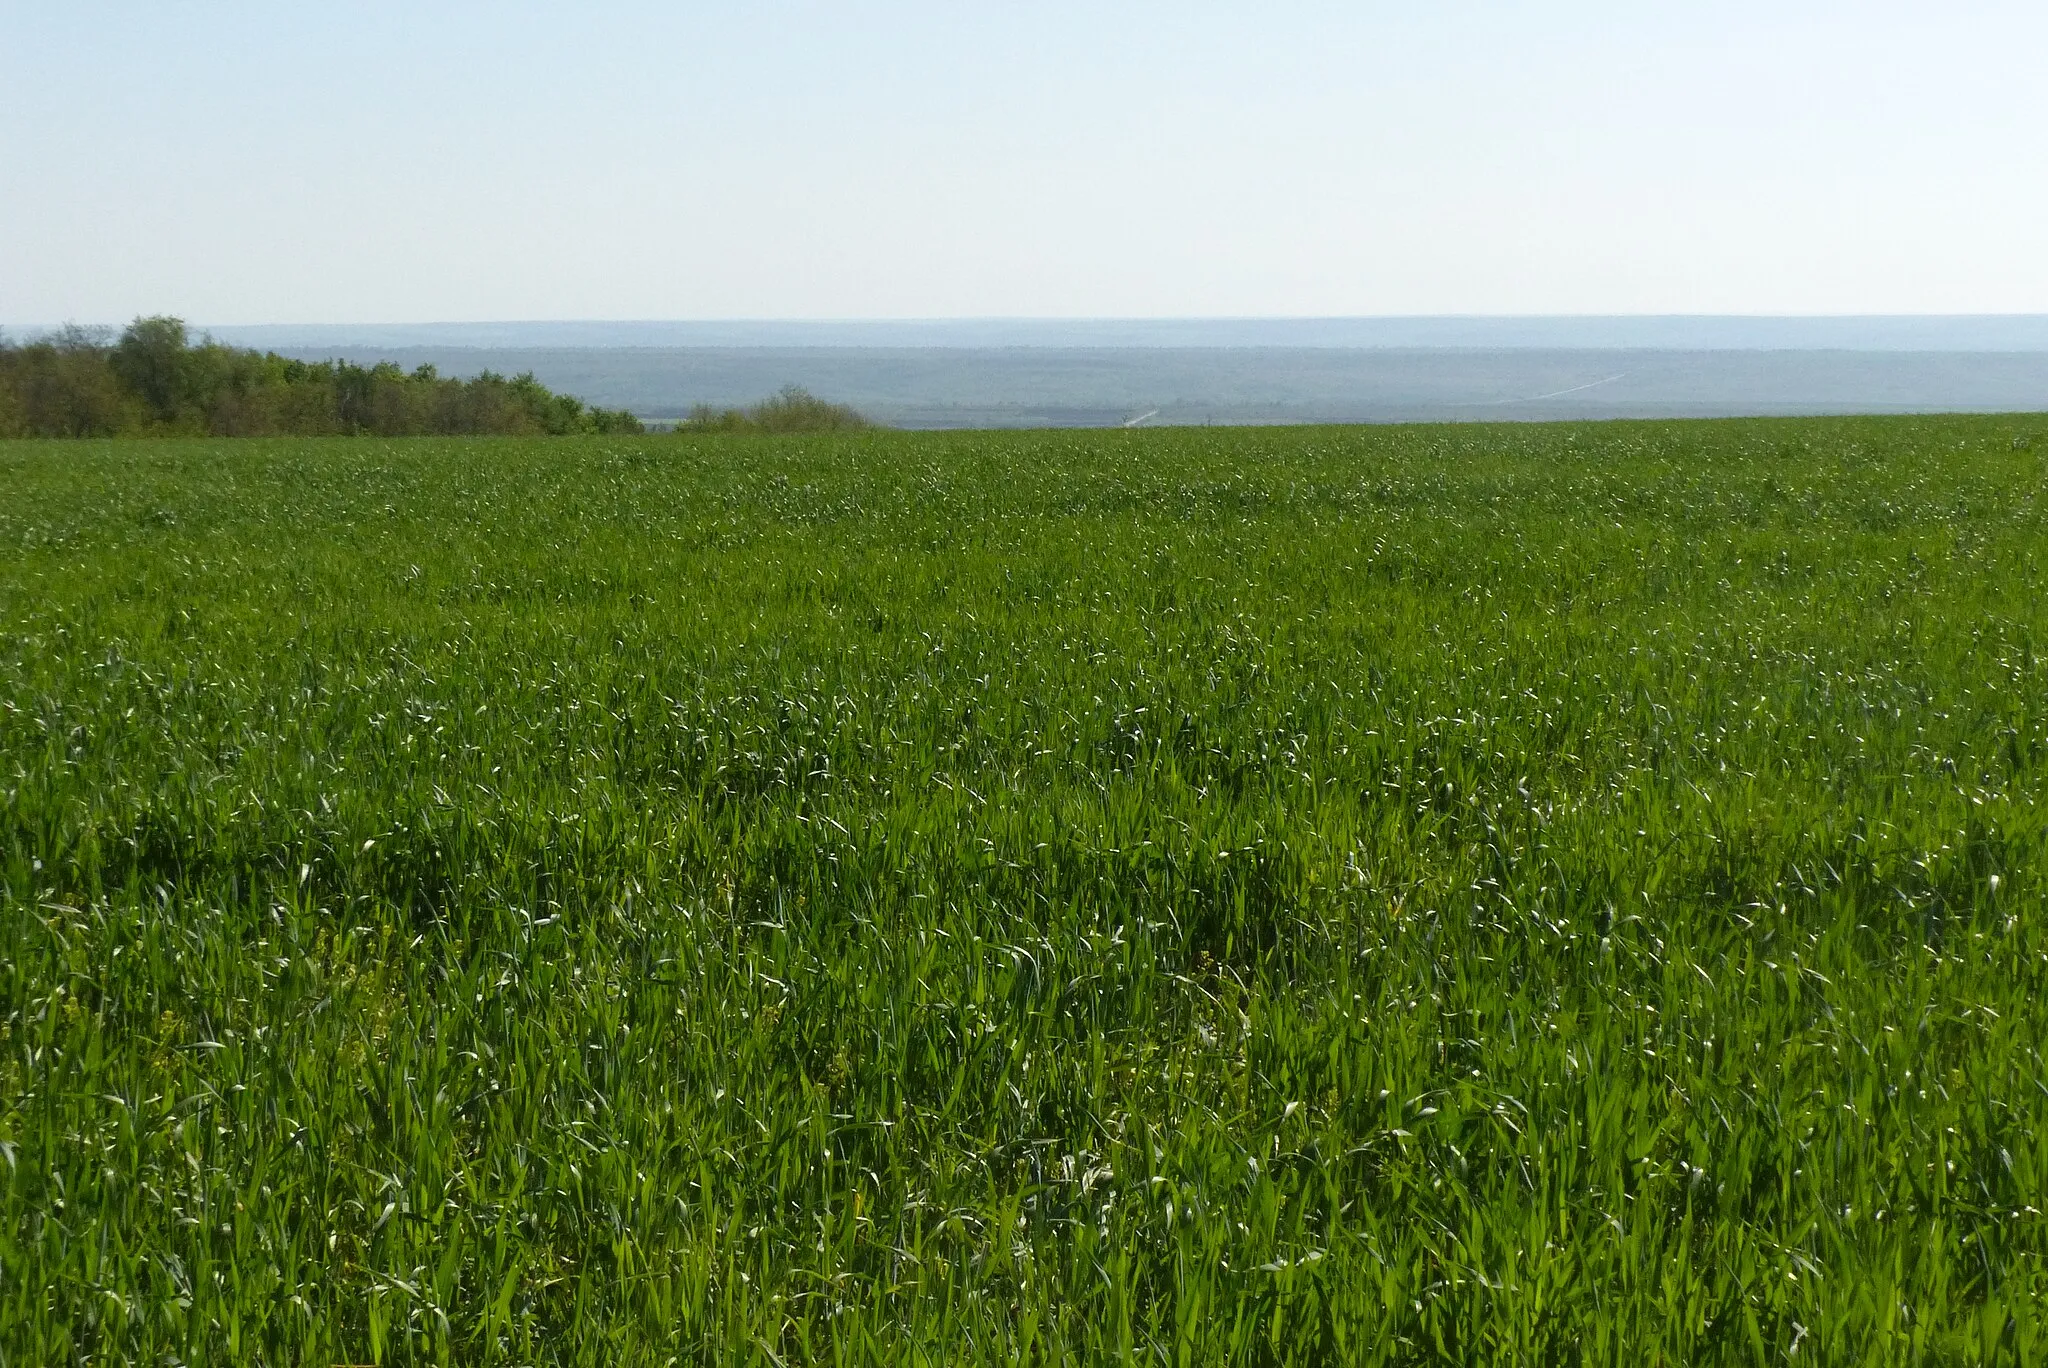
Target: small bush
[(792, 409)]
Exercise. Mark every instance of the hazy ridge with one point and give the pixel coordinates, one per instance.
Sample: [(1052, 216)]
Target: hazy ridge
[(1676, 332), (952, 387)]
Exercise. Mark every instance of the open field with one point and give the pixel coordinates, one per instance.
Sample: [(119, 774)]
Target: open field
[(1518, 893)]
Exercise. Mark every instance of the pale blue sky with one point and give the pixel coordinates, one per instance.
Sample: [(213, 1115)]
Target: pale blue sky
[(241, 163)]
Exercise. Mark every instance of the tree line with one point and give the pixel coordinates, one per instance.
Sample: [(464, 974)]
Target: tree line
[(155, 380)]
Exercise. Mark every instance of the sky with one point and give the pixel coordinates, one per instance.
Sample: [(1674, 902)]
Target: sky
[(358, 162)]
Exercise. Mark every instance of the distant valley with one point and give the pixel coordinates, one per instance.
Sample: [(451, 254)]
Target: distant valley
[(950, 386)]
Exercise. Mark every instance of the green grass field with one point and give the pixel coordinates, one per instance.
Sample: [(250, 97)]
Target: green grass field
[(1461, 894)]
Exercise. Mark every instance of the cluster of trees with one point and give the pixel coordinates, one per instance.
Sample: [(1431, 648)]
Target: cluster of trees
[(793, 410), (155, 380)]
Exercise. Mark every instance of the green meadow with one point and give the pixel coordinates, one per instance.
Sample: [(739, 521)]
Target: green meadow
[(1451, 894)]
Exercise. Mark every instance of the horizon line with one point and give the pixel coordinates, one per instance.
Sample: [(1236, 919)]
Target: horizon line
[(943, 319)]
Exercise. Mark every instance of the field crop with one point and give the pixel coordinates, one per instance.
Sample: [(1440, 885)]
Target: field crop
[(1452, 894)]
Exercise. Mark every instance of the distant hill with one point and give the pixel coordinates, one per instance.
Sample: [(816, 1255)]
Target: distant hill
[(954, 387), (1099, 372)]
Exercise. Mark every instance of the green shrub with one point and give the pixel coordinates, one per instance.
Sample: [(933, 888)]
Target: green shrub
[(792, 409)]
